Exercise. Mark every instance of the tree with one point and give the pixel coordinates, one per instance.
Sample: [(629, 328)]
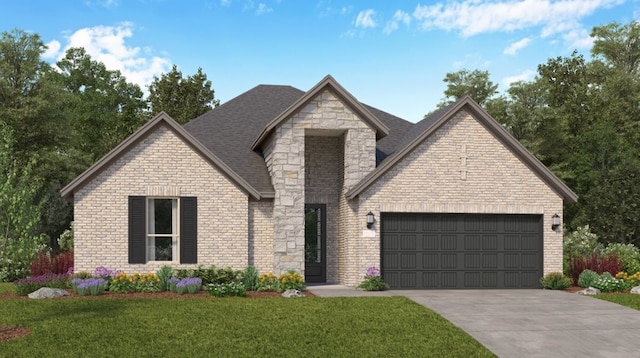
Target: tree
[(182, 98), (102, 107), (618, 45), (475, 84)]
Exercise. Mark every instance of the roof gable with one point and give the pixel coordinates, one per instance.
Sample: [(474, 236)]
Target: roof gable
[(327, 83), (425, 128), (161, 119)]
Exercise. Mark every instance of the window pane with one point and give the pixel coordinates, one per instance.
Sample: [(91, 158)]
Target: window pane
[(162, 216), (163, 248)]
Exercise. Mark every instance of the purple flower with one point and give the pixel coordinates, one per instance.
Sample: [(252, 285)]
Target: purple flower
[(173, 280), (189, 281), (102, 271), (373, 271)]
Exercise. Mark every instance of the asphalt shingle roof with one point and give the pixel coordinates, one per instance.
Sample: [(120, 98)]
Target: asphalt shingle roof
[(229, 130)]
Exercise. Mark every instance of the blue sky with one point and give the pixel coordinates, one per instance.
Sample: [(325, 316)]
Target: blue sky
[(392, 55)]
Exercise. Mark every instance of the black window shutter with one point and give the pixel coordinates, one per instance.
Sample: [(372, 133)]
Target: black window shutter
[(188, 230), (137, 230)]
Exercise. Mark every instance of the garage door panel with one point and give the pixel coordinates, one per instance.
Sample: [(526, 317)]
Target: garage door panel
[(408, 242), (461, 250), (449, 280), (448, 242), (448, 261), (430, 261), (430, 242), (472, 261), (473, 242)]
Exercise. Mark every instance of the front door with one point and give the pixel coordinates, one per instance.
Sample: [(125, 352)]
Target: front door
[(315, 243)]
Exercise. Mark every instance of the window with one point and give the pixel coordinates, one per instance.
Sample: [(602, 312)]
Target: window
[(163, 229)]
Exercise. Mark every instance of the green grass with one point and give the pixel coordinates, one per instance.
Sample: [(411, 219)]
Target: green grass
[(628, 300), (6, 287), (233, 327)]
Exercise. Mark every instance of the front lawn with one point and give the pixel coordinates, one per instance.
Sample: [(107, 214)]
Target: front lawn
[(6, 287), (628, 300), (233, 327)]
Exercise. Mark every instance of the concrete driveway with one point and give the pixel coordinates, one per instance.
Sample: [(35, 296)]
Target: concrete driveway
[(529, 323)]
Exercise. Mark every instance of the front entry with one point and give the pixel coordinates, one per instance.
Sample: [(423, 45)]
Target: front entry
[(315, 243)]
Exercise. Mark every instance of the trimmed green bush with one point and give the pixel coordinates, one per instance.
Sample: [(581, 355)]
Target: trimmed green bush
[(587, 278), (555, 281)]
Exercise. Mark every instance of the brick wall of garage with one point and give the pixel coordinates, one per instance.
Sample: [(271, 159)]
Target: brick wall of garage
[(461, 168), (159, 165)]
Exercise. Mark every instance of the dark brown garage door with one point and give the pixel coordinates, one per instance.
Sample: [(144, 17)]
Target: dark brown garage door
[(461, 250)]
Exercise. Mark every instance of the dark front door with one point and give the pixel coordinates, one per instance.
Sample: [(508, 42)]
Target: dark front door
[(315, 243)]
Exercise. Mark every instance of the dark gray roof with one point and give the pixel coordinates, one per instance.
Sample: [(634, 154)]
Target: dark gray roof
[(229, 130)]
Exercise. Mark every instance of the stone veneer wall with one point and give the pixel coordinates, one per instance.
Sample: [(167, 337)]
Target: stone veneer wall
[(160, 165), (284, 155), (462, 168), (324, 172), (261, 235)]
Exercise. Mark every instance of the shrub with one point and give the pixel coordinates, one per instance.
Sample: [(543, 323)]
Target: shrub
[(122, 282), (92, 286), (373, 280), (172, 283), (268, 282), (579, 243), (164, 274), (211, 274), (291, 280), (227, 289), (16, 257), (555, 281), (627, 253), (607, 283), (251, 278), (27, 285), (587, 278), (630, 280), (65, 241), (595, 262), (47, 262), (189, 285)]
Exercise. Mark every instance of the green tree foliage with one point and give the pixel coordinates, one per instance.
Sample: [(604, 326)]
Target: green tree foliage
[(182, 98), (581, 118), (474, 83), (103, 108)]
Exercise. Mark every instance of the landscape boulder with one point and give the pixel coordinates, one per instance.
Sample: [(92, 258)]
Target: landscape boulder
[(636, 290), (47, 292), (292, 294), (590, 291)]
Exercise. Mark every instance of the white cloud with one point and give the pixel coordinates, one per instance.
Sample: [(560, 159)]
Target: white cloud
[(524, 76), (399, 17), (472, 17), (578, 39), (106, 44), (517, 46), (225, 3), (53, 49), (263, 9), (365, 19)]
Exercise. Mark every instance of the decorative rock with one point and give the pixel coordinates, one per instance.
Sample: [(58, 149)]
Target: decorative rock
[(589, 291), (47, 292), (292, 294), (636, 290)]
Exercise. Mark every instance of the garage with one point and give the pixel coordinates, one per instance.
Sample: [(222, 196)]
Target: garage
[(458, 251)]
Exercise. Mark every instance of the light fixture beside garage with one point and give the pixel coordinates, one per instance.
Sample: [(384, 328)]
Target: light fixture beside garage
[(370, 220), (556, 222)]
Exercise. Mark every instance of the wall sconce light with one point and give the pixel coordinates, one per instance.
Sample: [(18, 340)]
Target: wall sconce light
[(556, 222), (370, 220)]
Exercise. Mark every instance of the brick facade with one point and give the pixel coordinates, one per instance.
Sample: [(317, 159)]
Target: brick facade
[(160, 165), (461, 168)]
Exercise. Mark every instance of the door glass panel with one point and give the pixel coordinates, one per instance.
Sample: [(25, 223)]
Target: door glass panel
[(313, 235)]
